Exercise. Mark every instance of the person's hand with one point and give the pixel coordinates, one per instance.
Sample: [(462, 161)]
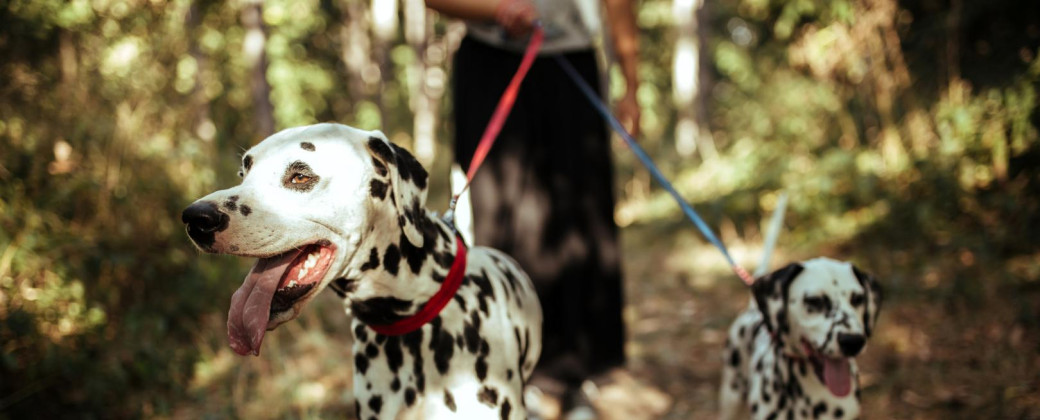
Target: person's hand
[(627, 110), (516, 16)]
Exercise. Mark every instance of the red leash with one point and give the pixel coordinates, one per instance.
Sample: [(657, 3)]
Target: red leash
[(498, 118), (451, 284), (439, 300)]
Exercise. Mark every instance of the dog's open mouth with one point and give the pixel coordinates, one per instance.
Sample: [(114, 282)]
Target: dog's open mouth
[(271, 290), (835, 373)]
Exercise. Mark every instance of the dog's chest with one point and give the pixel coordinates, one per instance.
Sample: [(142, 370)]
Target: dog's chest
[(471, 360)]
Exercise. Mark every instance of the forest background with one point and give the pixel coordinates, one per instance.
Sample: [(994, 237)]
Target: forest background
[(904, 132)]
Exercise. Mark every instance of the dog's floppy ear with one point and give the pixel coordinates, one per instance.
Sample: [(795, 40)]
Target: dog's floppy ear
[(407, 183), (872, 294), (770, 293)]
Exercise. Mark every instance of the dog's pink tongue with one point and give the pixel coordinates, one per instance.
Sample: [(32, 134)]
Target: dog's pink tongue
[(837, 376), (251, 303)]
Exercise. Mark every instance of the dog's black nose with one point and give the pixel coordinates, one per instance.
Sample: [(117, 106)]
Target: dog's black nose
[(204, 217), (851, 344)]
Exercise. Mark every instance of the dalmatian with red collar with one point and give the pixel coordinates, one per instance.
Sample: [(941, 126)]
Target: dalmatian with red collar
[(791, 354), (333, 207)]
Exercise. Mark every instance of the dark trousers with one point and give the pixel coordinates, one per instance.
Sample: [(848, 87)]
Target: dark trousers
[(545, 196)]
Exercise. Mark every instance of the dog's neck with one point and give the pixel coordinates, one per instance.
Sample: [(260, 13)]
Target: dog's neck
[(389, 278)]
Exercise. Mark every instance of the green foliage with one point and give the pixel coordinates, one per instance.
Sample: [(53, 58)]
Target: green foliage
[(828, 102)]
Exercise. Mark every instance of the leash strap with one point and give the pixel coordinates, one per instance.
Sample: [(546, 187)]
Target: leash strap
[(433, 307), (649, 164), (498, 118)]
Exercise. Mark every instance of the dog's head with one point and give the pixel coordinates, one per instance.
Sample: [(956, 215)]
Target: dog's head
[(308, 195), (821, 309)]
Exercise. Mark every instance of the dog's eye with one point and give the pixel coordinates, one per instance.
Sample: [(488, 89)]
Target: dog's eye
[(816, 303), (857, 299), (299, 179)]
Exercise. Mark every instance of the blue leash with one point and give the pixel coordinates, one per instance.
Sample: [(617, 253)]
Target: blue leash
[(649, 164)]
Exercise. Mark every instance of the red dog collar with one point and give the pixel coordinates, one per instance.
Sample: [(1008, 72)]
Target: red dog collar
[(436, 303)]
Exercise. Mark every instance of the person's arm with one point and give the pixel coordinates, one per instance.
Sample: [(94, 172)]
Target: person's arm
[(516, 16), (622, 21), (477, 10)]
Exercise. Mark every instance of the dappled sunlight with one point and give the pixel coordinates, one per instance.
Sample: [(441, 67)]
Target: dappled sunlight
[(904, 133)]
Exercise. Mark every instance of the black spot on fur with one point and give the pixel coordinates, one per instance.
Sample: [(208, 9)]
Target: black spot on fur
[(409, 396), (734, 358), (509, 374), (471, 332), (360, 363), (230, 205), (771, 285), (462, 302), (819, 409), (361, 333), (396, 384), (481, 368), (444, 259), (394, 357), (343, 286), (308, 146), (371, 351), (443, 231), (380, 310), (379, 167), (392, 259), (449, 400), (357, 408), (414, 255), (379, 148), (373, 260), (408, 168), (505, 409), (839, 413), (377, 189), (413, 342), (247, 162), (485, 292), (245, 210), (375, 403), (488, 396), (443, 346)]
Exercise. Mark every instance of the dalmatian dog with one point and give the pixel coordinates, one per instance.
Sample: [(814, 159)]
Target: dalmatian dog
[(332, 207), (790, 355)]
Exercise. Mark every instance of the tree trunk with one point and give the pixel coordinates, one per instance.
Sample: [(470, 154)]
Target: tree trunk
[(688, 81), (254, 50)]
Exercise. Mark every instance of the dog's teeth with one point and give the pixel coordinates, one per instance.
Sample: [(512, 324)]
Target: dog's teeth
[(292, 283)]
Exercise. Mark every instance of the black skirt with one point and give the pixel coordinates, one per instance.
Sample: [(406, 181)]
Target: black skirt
[(545, 196)]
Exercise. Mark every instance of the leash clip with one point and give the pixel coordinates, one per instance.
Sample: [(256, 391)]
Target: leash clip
[(449, 215)]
